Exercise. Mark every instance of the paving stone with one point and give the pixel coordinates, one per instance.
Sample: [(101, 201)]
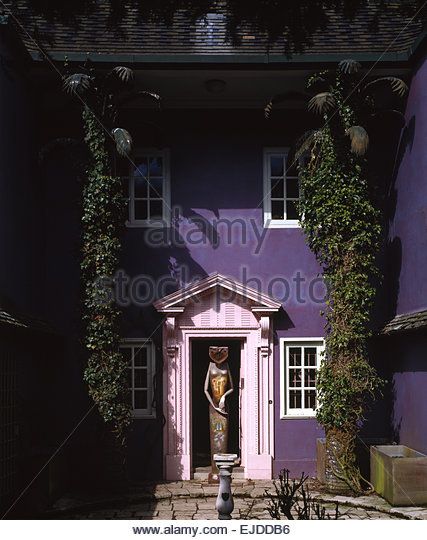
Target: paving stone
[(178, 506), (206, 505), (242, 490), (206, 516), (183, 515), (194, 493), (146, 514), (196, 499), (210, 490), (258, 492)]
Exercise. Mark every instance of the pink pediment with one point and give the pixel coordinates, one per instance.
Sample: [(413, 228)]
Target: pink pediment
[(230, 292)]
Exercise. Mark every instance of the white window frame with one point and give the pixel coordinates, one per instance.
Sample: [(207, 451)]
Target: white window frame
[(166, 217), (136, 343), (268, 221), (285, 344)]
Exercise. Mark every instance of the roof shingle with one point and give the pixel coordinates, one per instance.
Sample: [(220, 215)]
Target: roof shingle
[(208, 37)]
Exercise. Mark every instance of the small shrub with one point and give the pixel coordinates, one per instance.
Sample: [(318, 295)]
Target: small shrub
[(292, 500)]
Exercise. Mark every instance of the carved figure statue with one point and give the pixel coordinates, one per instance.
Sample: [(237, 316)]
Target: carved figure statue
[(218, 385)]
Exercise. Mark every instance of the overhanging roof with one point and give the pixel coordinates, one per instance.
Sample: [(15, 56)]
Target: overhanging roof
[(193, 42), (405, 323)]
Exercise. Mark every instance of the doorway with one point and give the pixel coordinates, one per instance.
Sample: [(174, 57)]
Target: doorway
[(200, 405)]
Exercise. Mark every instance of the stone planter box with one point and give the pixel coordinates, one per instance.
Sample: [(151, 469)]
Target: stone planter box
[(399, 474)]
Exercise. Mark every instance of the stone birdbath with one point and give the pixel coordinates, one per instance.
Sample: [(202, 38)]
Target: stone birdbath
[(224, 502)]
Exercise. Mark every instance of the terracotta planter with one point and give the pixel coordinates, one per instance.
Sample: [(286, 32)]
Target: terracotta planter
[(399, 474)]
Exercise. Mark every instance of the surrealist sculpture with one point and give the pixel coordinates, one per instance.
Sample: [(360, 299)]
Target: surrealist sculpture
[(218, 385)]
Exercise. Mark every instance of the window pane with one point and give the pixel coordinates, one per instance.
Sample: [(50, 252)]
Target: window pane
[(141, 168), (140, 188), (127, 355), (277, 191), (310, 354), (310, 399), (140, 378), (141, 210), (292, 188), (156, 188), (310, 377), (295, 399), (156, 209), (294, 356), (294, 377), (129, 377), (140, 356), (156, 166), (277, 210), (276, 166), (291, 210), (141, 399), (291, 166)]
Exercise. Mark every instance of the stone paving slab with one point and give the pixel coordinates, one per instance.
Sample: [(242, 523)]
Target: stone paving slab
[(196, 500)]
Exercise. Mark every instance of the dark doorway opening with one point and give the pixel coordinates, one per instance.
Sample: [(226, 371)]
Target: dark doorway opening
[(200, 405)]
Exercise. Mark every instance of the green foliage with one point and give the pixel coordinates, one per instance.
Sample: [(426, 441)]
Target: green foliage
[(102, 220), (342, 227), (292, 500)]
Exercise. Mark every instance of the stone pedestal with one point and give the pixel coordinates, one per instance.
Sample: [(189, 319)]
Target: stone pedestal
[(224, 502)]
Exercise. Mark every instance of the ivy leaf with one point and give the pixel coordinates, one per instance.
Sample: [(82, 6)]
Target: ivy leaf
[(349, 66), (359, 139), (78, 83), (123, 141), (321, 103)]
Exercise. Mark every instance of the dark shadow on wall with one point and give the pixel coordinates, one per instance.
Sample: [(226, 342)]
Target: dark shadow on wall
[(281, 322), (385, 142), (409, 376), (388, 292), (405, 145)]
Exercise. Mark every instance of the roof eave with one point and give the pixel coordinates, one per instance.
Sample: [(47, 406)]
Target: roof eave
[(296, 60)]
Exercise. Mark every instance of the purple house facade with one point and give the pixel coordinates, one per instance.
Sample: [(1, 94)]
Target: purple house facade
[(213, 253)]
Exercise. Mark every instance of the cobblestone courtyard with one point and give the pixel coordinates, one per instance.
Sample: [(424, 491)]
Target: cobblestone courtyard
[(196, 500)]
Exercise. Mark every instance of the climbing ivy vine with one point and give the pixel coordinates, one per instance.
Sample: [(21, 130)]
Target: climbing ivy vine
[(103, 220), (342, 228)]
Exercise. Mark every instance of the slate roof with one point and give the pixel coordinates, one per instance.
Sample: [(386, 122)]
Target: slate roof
[(394, 35), (404, 323)]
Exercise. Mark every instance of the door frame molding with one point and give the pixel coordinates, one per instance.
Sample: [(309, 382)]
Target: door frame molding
[(254, 311)]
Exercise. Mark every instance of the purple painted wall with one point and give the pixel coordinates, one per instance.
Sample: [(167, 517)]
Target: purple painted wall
[(217, 172), (408, 228), (408, 238)]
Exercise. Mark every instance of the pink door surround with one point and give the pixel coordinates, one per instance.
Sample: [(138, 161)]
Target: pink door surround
[(218, 307)]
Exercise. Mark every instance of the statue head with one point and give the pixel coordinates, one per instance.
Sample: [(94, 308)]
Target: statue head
[(218, 354)]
